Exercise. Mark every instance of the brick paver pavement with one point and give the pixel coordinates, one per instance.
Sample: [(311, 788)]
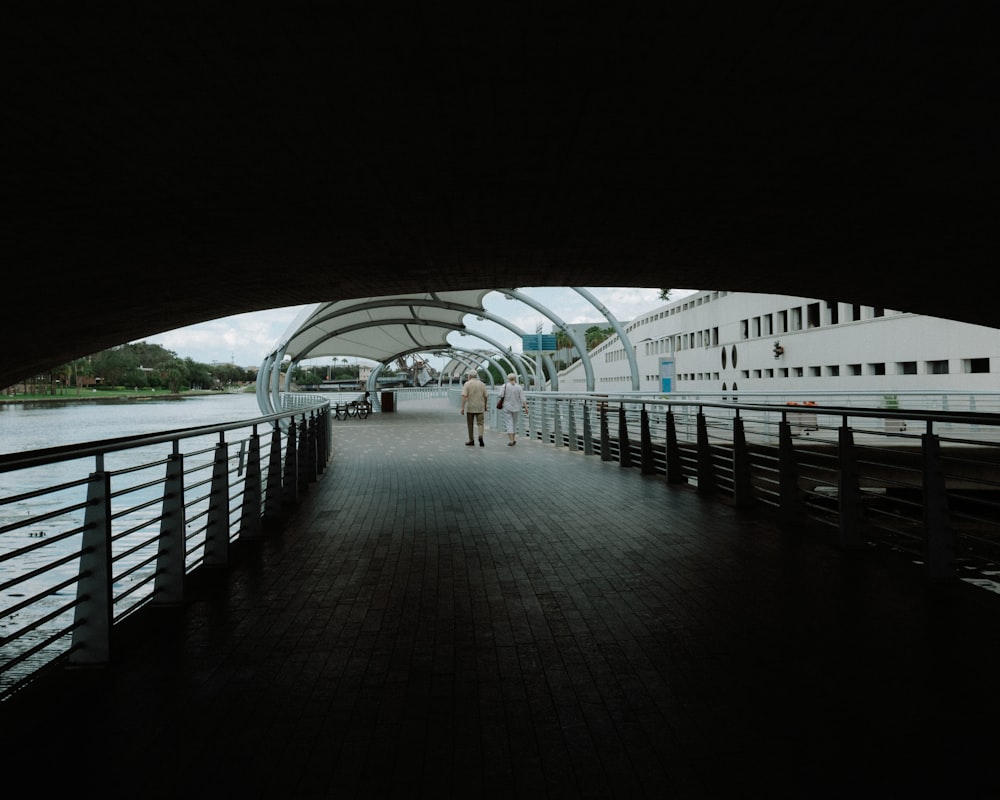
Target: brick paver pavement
[(443, 621)]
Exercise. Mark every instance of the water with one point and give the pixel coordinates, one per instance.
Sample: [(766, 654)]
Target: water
[(31, 426)]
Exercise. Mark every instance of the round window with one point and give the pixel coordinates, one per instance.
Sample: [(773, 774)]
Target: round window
[(734, 356)]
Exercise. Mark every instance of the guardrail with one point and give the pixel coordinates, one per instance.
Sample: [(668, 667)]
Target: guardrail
[(923, 483), (78, 555)]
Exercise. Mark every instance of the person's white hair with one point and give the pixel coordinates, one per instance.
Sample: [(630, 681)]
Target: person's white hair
[(511, 376)]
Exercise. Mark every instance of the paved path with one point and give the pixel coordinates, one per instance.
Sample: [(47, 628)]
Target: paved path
[(443, 621)]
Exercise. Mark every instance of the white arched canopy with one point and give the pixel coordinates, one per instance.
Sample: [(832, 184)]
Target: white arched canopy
[(375, 328), (387, 327)]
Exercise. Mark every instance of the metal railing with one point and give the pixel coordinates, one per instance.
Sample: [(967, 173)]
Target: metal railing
[(78, 555), (923, 483)]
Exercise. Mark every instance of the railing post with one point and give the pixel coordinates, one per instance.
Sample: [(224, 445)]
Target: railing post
[(938, 540), (290, 479), (605, 439), (742, 486), (304, 453), (250, 524), (624, 446), (312, 462), (274, 497), (323, 431), (849, 491), (706, 469), (790, 500), (588, 433), (571, 440), (171, 557), (648, 467), (94, 604), (556, 423), (672, 459), (217, 525)]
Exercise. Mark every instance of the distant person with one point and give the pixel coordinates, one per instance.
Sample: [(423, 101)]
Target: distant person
[(513, 401), (474, 400)]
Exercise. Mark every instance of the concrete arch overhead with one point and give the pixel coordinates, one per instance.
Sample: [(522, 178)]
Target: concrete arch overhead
[(162, 169)]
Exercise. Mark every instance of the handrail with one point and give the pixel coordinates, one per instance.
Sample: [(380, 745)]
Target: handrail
[(51, 455), (930, 491), (78, 555), (150, 523)]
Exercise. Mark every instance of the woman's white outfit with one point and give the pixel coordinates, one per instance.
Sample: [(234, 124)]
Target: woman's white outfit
[(513, 402)]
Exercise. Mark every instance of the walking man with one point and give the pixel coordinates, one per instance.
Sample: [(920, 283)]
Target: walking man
[(474, 399)]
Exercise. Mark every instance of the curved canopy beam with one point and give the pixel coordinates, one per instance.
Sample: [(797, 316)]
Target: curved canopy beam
[(580, 346), (629, 351)]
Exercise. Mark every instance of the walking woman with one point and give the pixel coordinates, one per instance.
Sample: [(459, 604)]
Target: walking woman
[(513, 401)]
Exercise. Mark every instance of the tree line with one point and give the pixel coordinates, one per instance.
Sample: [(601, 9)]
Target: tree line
[(137, 366)]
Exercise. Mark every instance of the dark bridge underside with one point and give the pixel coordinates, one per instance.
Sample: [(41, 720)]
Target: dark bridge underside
[(161, 169)]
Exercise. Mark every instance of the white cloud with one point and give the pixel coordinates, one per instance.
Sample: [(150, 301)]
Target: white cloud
[(243, 339)]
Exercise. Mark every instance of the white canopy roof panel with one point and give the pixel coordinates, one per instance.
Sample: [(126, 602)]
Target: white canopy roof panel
[(380, 328)]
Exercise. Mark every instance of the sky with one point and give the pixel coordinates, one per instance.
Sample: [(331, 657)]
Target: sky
[(245, 339)]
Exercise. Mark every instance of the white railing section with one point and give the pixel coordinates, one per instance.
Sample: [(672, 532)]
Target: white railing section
[(925, 483), (90, 533)]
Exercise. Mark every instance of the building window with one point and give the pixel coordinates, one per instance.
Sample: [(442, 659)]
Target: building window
[(937, 367), (834, 311), (833, 371), (906, 368), (782, 322), (812, 315), (976, 364), (853, 369), (876, 369), (796, 319), (814, 372)]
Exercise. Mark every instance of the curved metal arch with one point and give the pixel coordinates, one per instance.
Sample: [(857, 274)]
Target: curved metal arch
[(622, 336), (478, 311), (482, 354), (580, 346), (519, 332), (261, 385), (514, 361), (496, 344), (373, 378)]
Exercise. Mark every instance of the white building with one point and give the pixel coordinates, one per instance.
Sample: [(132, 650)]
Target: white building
[(711, 342)]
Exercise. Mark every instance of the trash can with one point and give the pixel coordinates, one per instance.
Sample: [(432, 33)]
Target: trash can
[(388, 402)]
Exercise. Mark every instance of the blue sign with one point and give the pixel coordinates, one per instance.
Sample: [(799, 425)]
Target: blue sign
[(666, 375), (538, 343)]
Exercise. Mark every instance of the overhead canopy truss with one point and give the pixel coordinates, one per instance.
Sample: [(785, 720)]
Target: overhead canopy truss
[(389, 327)]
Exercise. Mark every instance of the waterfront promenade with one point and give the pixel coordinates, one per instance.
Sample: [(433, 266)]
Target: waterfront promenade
[(443, 621)]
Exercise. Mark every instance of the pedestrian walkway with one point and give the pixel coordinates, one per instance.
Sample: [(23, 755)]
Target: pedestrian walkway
[(443, 621)]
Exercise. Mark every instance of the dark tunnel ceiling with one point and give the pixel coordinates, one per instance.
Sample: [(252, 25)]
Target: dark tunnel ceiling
[(163, 167)]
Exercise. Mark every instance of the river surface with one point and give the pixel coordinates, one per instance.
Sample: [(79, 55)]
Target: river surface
[(32, 426)]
